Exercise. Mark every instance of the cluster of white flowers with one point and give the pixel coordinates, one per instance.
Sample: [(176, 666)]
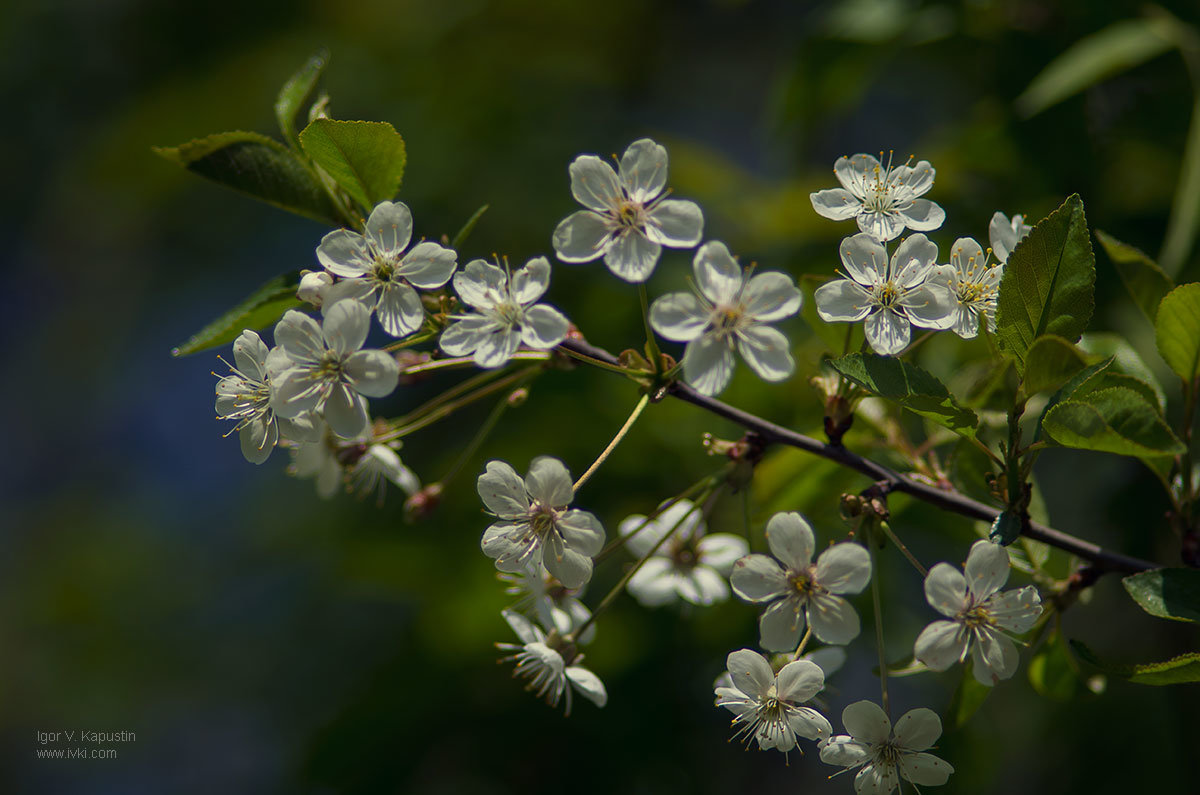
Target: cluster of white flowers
[(892, 295)]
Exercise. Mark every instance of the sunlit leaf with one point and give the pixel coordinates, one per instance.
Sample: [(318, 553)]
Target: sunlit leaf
[(1050, 363), (257, 166), (365, 158), (260, 309), (908, 385), (1167, 593), (1177, 330), (1052, 672), (297, 93), (1112, 420), (1048, 284)]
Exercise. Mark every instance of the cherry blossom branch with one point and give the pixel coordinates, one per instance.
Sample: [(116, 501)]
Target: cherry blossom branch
[(886, 479)]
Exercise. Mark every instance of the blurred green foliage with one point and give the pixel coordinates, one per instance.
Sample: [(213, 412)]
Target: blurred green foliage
[(260, 640)]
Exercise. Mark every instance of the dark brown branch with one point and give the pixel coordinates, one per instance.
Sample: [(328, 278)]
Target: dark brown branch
[(1100, 558)]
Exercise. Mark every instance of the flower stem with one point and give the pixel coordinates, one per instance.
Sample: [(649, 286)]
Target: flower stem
[(447, 409), (803, 642), (686, 494), (883, 675), (469, 361), (603, 365), (484, 431), (637, 411), (900, 546), (651, 344)]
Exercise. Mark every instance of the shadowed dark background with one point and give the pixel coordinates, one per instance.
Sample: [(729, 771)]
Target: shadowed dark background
[(258, 639)]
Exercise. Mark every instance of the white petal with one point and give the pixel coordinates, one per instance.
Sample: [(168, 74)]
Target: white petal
[(780, 625), (544, 327), (842, 300), (345, 412), (300, 337), (767, 352), (946, 589), (258, 439), (675, 223), (296, 392), (844, 568), (480, 284), (933, 305), (941, 644), (572, 568), (853, 172), (721, 551), (994, 655), (654, 584), (835, 204), (916, 179), (703, 587), (925, 770), (833, 619), (717, 273), (844, 751), (582, 531), (531, 282), (503, 543), (463, 337), (581, 237), (708, 364), (428, 265), (864, 258), (918, 729), (866, 721), (679, 316), (883, 226), (791, 540), (594, 183), (390, 228), (757, 578), (809, 723), (250, 353), (644, 169), (799, 681), (400, 311), (888, 332), (497, 348), (750, 671), (632, 256), (913, 261), (771, 296), (829, 658), (502, 490), (923, 216), (1017, 610), (525, 629), (345, 327), (372, 373), (549, 482), (877, 778), (588, 684), (344, 253), (361, 290), (986, 570)]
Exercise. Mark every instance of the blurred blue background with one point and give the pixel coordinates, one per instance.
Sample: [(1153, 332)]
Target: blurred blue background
[(258, 639)]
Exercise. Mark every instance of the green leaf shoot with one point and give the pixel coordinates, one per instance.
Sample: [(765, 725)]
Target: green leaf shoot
[(365, 158)]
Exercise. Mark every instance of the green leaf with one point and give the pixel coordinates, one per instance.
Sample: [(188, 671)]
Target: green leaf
[(467, 228), (366, 158), (1050, 363), (1048, 284), (908, 385), (260, 309), (1127, 369), (1112, 420), (1115, 49), (1146, 282), (297, 93), (257, 166), (1006, 528), (1177, 330), (1178, 670), (968, 696), (1167, 593), (1052, 671)]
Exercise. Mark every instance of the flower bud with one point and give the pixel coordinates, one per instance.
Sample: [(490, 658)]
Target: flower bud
[(421, 504), (313, 286)]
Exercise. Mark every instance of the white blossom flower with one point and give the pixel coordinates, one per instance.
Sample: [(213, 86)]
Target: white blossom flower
[(883, 199), (505, 313), (728, 311), (554, 604), (799, 589), (549, 663), (313, 286), (768, 706), (628, 217), (378, 465), (1004, 234), (328, 371), (689, 565), (536, 526), (974, 283), (362, 464), (892, 297), (376, 270), (883, 756), (979, 614)]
